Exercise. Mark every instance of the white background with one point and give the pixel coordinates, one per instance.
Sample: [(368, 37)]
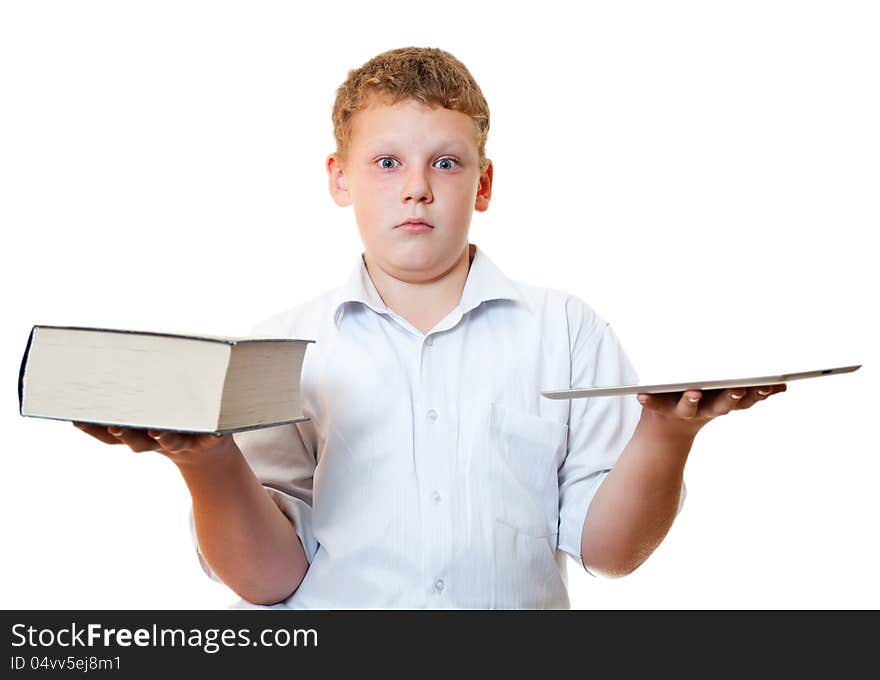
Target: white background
[(704, 174)]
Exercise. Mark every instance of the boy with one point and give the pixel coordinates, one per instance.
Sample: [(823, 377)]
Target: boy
[(431, 473)]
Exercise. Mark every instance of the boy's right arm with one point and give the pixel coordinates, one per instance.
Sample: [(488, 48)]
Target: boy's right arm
[(243, 535)]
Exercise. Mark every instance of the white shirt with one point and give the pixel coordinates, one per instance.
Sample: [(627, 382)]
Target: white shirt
[(431, 472)]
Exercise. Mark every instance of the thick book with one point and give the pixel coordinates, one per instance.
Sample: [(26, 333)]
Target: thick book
[(161, 381)]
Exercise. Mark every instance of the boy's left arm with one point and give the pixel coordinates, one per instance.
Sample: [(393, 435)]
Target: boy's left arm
[(638, 500)]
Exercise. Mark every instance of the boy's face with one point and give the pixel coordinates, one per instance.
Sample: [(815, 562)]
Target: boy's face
[(412, 161)]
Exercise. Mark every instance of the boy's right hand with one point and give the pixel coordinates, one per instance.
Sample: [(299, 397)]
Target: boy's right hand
[(180, 447)]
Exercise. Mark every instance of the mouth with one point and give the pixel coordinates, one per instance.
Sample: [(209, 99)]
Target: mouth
[(415, 222), (415, 226)]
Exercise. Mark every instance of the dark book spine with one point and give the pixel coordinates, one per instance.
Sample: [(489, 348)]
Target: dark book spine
[(24, 359)]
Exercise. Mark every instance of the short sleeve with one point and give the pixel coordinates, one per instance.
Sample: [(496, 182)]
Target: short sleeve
[(599, 428), (283, 459)]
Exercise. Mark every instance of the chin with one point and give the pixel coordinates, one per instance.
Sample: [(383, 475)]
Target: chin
[(419, 264), (418, 258), (426, 265)]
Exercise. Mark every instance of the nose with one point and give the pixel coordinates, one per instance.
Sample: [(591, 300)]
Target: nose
[(416, 187)]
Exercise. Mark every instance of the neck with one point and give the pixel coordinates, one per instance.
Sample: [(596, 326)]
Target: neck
[(422, 303)]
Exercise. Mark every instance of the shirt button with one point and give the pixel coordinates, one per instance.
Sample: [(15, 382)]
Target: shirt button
[(439, 585), (436, 497), (429, 341), (432, 415)]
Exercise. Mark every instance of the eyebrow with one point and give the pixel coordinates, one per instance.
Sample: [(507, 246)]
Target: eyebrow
[(375, 147)]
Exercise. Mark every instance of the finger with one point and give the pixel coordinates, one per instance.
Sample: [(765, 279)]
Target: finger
[(725, 401), (174, 442), (135, 439), (760, 393), (768, 390), (661, 402), (165, 439), (688, 405), (750, 398), (764, 391), (99, 432), (209, 441), (680, 404)]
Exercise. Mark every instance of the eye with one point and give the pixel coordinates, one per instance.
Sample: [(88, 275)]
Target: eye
[(386, 162), (450, 161)]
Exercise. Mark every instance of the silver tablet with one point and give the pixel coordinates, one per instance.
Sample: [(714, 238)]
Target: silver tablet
[(614, 390)]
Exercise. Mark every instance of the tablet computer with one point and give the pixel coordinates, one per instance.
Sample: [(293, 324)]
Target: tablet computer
[(615, 390)]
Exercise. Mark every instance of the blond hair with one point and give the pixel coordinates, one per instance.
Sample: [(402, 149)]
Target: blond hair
[(426, 74)]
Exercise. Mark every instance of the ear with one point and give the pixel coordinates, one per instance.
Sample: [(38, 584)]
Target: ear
[(338, 182), (484, 190)]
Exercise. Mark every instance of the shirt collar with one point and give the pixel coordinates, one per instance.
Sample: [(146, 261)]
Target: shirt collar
[(484, 282)]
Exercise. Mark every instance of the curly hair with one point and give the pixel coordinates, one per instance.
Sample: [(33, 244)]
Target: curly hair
[(427, 74)]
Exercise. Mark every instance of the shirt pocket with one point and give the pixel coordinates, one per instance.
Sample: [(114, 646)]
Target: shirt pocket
[(525, 452)]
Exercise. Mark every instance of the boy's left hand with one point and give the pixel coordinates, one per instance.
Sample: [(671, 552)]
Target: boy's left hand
[(680, 414)]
